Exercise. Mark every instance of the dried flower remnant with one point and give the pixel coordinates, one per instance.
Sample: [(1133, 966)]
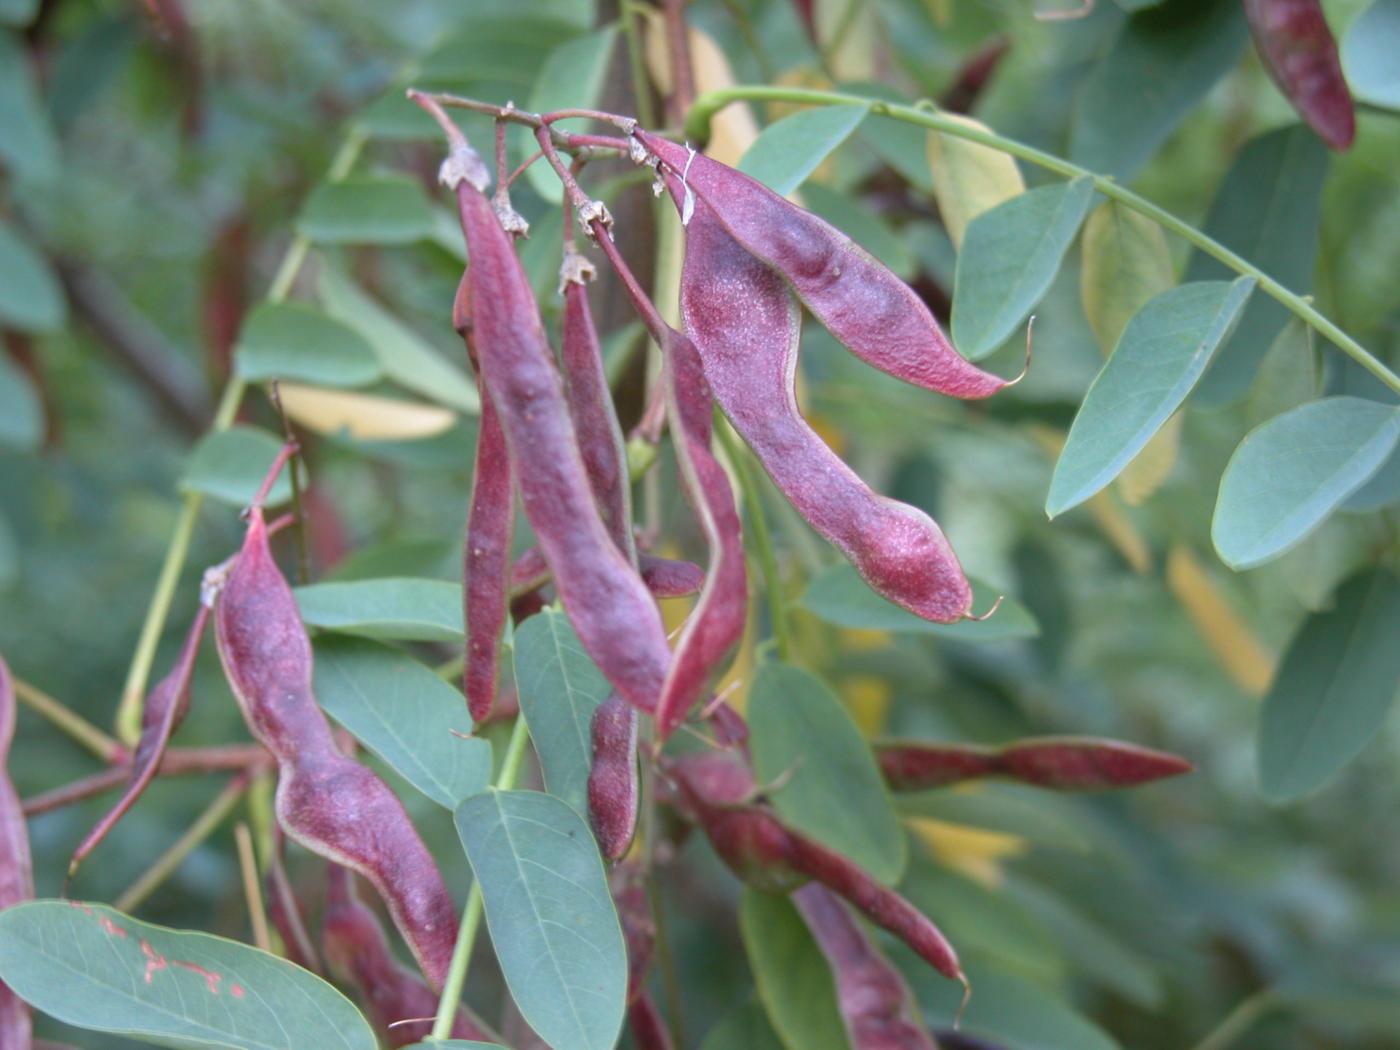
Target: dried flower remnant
[(329, 803), (16, 869), (864, 305), (744, 322), (1300, 53), (1060, 763)]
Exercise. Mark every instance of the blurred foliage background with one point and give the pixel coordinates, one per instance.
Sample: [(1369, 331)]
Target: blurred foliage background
[(158, 162)]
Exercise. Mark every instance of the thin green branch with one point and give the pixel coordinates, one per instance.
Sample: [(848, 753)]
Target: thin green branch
[(697, 128), (69, 722), (128, 721), (471, 917), (1239, 1020)]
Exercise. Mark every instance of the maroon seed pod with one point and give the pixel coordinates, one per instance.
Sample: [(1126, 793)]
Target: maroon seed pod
[(285, 911), (358, 954), (1300, 54), (629, 892), (664, 577), (16, 869), (716, 624), (874, 1000), (165, 709), (1059, 763), (865, 306), (649, 1031), (613, 786), (744, 323), (329, 803), (615, 617)]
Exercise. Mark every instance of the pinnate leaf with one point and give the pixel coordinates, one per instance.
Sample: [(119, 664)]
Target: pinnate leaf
[(229, 465), (969, 178), (297, 341), (794, 981), (789, 150), (402, 608)]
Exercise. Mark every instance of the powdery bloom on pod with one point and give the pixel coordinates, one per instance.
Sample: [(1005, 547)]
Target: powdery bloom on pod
[(1300, 53), (874, 1000), (614, 789), (859, 300), (1059, 763), (745, 325), (331, 804)]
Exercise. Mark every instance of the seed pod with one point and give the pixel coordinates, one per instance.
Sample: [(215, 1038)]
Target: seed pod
[(649, 1031), (329, 803), (744, 323), (613, 787), (1060, 763), (615, 617), (590, 404), (1300, 53), (285, 912), (874, 1000), (358, 954), (664, 577), (865, 306), (16, 869), (629, 892), (717, 789), (165, 709), (716, 624)]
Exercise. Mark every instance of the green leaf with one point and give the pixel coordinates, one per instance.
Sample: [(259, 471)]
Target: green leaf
[(395, 609), (1291, 473), (1125, 263), (21, 409), (455, 1044), (27, 143), (1162, 63), (1368, 55), (559, 689), (789, 150), (1008, 258), (572, 78), (551, 917), (229, 465), (831, 790), (1161, 356), (406, 357), (405, 714), (744, 1028), (838, 595), (1269, 210), (1383, 490), (794, 980), (1333, 688), (861, 225), (18, 12), (296, 341), (1037, 816), (91, 966), (366, 209), (30, 297)]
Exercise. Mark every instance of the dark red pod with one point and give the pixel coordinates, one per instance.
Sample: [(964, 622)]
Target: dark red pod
[(874, 1000), (744, 323), (864, 305), (613, 786), (615, 617), (329, 803), (16, 868), (1300, 53), (664, 577), (358, 953), (627, 882), (649, 1031), (1060, 763)]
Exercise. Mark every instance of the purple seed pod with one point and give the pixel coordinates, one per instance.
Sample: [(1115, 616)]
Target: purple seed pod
[(627, 881), (744, 323), (615, 616), (16, 869), (358, 954), (165, 709), (664, 577), (1060, 763), (865, 306), (613, 787), (716, 624), (1300, 53), (874, 1000), (329, 803), (649, 1031)]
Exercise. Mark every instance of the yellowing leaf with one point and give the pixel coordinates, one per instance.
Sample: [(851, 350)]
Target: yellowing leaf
[(1233, 642), (969, 178), (365, 417), (848, 36), (976, 852), (1152, 466), (733, 130), (1126, 262), (867, 697)]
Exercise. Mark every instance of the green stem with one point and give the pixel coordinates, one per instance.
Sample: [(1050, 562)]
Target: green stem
[(128, 722), (1239, 1020), (762, 539), (637, 62), (697, 128), (72, 724), (471, 917), (172, 858)]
